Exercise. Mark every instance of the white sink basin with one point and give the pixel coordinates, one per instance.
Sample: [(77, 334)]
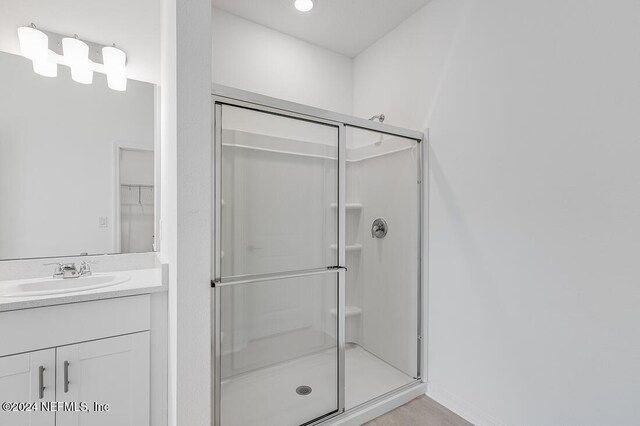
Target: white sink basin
[(44, 286)]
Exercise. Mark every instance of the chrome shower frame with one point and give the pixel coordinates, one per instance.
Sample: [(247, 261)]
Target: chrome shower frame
[(222, 95)]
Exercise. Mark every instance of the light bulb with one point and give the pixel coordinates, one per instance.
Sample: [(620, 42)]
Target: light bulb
[(114, 61), (303, 5), (76, 55), (34, 44)]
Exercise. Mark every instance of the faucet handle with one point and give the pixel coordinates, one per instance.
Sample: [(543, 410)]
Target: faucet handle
[(85, 269), (58, 271), (379, 228)]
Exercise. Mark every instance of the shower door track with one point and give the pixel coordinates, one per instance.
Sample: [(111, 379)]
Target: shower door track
[(233, 96), (222, 95)]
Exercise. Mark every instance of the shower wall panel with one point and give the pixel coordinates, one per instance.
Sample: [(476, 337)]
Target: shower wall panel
[(383, 172)]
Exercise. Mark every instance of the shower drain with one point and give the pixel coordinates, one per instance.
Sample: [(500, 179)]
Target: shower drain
[(303, 390)]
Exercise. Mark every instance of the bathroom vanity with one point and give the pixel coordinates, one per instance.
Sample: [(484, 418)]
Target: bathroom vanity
[(78, 358)]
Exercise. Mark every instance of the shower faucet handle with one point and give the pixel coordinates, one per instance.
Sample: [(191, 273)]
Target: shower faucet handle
[(379, 228)]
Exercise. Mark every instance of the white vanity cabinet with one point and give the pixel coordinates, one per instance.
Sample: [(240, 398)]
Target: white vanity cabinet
[(27, 377), (111, 373), (95, 371)]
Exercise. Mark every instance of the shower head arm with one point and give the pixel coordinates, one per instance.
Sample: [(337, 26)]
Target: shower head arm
[(379, 117)]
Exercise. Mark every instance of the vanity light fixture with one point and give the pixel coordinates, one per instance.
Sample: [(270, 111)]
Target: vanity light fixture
[(34, 45), (76, 56), (303, 5), (47, 50), (114, 66)]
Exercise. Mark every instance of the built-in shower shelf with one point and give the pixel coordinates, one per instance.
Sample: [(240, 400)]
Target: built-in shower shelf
[(348, 247), (349, 311), (348, 206)]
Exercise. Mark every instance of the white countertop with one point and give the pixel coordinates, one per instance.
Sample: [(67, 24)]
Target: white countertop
[(141, 281)]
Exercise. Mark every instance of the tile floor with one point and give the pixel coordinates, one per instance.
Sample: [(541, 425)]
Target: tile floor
[(422, 411)]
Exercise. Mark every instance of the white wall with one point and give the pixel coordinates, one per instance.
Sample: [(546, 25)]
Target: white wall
[(534, 233), (400, 74), (57, 158), (185, 103), (258, 59), (168, 234)]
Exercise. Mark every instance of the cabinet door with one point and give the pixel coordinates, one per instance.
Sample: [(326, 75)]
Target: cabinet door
[(112, 371), (28, 378)]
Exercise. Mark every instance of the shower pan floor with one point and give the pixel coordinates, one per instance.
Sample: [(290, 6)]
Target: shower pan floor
[(268, 396)]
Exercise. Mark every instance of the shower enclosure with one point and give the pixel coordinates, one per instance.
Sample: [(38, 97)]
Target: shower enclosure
[(317, 279)]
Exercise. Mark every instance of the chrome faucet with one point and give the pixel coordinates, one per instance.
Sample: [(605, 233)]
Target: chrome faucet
[(379, 228), (70, 270)]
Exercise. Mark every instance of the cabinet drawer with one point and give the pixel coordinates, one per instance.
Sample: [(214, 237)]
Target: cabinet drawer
[(38, 328)]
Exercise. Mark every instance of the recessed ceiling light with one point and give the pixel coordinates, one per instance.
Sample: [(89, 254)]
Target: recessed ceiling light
[(303, 5)]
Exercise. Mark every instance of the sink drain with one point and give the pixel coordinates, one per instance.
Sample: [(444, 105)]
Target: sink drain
[(303, 390)]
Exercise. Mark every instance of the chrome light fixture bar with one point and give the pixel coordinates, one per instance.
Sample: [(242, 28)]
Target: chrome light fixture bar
[(47, 50)]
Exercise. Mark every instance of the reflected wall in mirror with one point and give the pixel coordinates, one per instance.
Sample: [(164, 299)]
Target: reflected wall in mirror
[(76, 165)]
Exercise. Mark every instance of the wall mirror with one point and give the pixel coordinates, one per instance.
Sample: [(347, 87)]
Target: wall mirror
[(77, 172)]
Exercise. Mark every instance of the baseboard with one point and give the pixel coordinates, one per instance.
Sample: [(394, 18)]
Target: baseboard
[(467, 411)]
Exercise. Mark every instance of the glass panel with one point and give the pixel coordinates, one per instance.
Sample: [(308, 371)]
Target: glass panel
[(382, 270), (279, 190), (278, 338)]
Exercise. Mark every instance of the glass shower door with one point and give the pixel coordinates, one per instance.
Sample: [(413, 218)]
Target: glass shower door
[(383, 288), (277, 275)]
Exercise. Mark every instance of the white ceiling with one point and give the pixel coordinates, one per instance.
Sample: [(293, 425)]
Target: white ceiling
[(134, 25), (344, 26)]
